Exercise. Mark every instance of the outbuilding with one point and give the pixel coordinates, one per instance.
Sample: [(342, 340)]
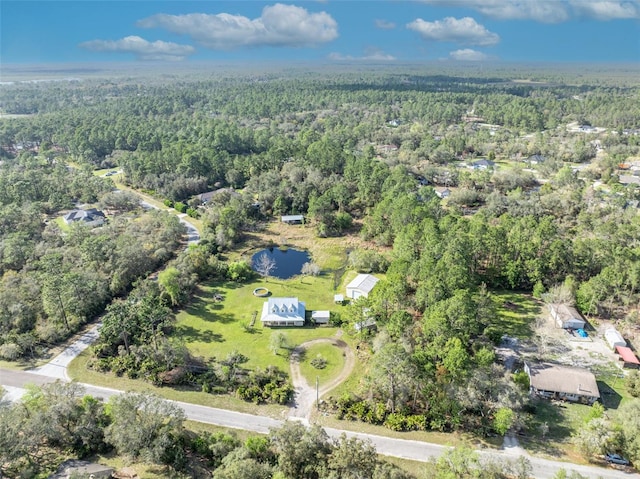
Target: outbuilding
[(566, 317), (361, 285), (614, 338), (321, 317)]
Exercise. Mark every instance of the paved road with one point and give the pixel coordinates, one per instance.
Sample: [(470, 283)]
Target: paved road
[(408, 449), (193, 235)]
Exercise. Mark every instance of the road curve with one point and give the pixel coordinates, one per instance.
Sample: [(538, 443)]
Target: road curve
[(305, 395)]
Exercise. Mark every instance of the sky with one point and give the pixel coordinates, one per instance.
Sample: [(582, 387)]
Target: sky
[(340, 31)]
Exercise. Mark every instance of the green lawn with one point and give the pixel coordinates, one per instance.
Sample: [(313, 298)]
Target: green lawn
[(212, 328), (517, 312), (335, 362)]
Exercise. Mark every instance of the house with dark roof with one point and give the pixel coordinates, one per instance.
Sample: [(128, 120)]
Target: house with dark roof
[(208, 196), (482, 164), (535, 159), (553, 381), (90, 217)]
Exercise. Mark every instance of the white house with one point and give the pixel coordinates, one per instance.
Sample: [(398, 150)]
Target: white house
[(361, 286), (90, 217), (320, 317), (566, 317), (283, 312), (614, 338)]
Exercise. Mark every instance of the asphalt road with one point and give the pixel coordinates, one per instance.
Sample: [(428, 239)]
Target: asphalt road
[(408, 449)]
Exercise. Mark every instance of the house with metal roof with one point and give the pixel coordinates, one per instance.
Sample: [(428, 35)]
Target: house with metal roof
[(361, 285), (283, 312)]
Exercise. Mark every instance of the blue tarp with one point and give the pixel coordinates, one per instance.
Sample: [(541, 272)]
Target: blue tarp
[(582, 333)]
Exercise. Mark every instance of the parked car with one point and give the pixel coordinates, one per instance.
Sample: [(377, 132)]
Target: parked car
[(616, 459)]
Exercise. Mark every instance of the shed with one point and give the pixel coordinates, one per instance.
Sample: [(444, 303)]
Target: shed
[(566, 317), (369, 323), (338, 298), (361, 285), (614, 338), (628, 356), (77, 468), (292, 219), (320, 317), (443, 192)]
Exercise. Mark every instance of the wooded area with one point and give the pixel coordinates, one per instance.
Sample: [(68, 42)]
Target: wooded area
[(359, 153)]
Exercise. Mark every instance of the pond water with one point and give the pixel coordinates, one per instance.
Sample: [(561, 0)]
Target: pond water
[(288, 262)]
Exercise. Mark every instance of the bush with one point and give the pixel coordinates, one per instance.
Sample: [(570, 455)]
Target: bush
[(368, 261), (180, 207), (168, 203), (319, 362)]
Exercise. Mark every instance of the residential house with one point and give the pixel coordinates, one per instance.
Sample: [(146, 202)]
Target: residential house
[(208, 196), (552, 381), (283, 312), (292, 219), (443, 192), (90, 217), (535, 159), (77, 468), (566, 317), (614, 338), (361, 286), (482, 164)]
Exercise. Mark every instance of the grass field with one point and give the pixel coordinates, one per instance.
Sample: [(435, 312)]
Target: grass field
[(517, 312), (331, 354), (211, 328)]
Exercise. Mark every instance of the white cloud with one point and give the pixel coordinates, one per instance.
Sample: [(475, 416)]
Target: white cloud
[(370, 54), (606, 9), (465, 31), (279, 25), (385, 25), (141, 48), (552, 11), (468, 55)]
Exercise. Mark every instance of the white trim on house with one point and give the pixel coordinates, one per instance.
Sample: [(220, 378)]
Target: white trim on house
[(283, 312)]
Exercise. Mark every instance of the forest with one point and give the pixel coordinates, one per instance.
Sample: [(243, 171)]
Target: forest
[(361, 153)]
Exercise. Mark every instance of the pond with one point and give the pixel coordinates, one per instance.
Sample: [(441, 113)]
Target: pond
[(288, 262)]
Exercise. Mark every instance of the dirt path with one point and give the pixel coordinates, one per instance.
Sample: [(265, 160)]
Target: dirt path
[(305, 394)]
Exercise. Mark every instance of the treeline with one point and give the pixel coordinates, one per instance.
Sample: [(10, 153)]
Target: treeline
[(58, 421)]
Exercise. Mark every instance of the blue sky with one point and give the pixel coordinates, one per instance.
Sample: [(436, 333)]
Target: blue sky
[(338, 31)]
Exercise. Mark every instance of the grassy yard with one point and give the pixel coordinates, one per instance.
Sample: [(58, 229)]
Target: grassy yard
[(562, 419), (331, 354), (517, 312), (213, 328)]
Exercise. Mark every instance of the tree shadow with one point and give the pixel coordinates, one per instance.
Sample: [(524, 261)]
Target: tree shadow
[(609, 396), (553, 415), (190, 333)]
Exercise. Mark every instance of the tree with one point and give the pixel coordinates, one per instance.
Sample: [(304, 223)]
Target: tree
[(503, 420), (310, 269), (352, 458), (169, 281), (277, 341), (594, 438), (628, 420), (264, 265), (143, 426), (302, 451)]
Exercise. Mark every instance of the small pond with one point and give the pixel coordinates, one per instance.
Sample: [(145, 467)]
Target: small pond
[(288, 262)]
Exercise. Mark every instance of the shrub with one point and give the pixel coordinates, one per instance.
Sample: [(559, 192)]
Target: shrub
[(180, 207), (319, 362), (168, 203)]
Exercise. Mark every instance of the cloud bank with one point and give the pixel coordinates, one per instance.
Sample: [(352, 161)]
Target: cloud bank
[(554, 11), (141, 48), (371, 54), (278, 26), (465, 31), (468, 55)]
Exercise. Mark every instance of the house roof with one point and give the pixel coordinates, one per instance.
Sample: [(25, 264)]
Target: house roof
[(483, 162), (86, 216), (363, 282), (627, 355), (613, 336), (205, 197), (283, 309), (537, 158), (563, 379), (320, 314), (564, 312), (287, 218)]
